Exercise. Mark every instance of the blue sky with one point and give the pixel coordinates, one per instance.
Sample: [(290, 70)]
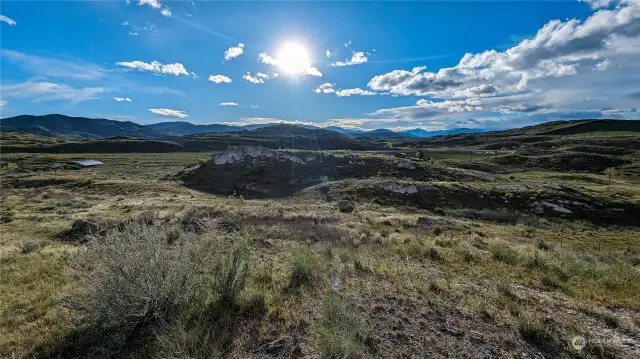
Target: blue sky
[(395, 65)]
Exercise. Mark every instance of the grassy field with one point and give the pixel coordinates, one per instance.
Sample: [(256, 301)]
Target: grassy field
[(216, 276)]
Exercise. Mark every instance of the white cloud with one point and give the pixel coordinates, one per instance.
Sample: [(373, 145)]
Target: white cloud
[(2, 103), (234, 51), (121, 99), (153, 3), (354, 92), (8, 20), (266, 59), (54, 67), (601, 66), (312, 71), (218, 79), (176, 69), (253, 79), (328, 53), (266, 121), (550, 75), (166, 12), (259, 77), (169, 113), (325, 88), (596, 4), (254, 106), (357, 58), (228, 103), (48, 91)]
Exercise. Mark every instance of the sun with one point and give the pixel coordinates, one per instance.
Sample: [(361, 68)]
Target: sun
[(293, 58)]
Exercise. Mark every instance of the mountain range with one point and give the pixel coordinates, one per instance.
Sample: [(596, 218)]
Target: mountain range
[(82, 128)]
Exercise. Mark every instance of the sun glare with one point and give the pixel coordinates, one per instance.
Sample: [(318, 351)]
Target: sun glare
[(293, 58)]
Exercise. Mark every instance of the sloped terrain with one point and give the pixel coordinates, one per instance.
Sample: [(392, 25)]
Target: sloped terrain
[(77, 128), (254, 171)]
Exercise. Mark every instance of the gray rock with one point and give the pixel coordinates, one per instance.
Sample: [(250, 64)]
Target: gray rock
[(81, 227), (346, 206), (240, 153)]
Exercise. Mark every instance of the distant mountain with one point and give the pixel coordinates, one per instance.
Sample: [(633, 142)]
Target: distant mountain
[(418, 132), (181, 128), (78, 128), (82, 128)]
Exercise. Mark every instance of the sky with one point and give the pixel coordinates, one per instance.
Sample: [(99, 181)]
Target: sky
[(365, 65)]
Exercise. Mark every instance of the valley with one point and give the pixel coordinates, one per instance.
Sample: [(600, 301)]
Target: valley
[(271, 244)]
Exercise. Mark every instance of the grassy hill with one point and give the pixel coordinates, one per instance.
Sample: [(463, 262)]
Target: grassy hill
[(77, 128), (611, 133)]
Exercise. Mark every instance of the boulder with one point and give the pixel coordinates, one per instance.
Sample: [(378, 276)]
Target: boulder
[(81, 227), (346, 206)]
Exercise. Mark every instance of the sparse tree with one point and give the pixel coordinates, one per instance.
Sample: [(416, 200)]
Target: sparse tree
[(611, 172), (389, 145), (420, 154)]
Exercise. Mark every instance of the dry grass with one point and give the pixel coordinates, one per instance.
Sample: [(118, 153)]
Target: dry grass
[(297, 276)]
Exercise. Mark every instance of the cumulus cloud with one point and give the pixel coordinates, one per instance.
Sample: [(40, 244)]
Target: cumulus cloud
[(328, 53), (357, 58), (121, 99), (253, 79), (325, 88), (266, 59), (219, 79), (228, 103), (176, 69), (596, 4), (259, 77), (169, 112), (153, 3), (354, 92), (7, 20), (234, 51), (569, 68), (48, 91), (267, 121), (166, 12)]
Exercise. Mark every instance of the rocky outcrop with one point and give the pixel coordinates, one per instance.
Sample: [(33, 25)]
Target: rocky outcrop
[(240, 153), (405, 188)]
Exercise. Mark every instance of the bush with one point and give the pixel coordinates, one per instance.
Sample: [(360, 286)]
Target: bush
[(503, 253), (339, 333), (29, 246), (231, 275), (136, 275), (307, 269)]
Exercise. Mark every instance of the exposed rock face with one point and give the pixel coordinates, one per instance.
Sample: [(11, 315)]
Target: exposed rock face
[(555, 207), (404, 164), (240, 153), (346, 206), (404, 188)]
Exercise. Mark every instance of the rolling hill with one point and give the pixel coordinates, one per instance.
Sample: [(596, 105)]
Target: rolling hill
[(78, 128)]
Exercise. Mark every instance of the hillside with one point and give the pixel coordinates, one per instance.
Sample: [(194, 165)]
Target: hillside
[(181, 128), (609, 133), (278, 136), (77, 128)]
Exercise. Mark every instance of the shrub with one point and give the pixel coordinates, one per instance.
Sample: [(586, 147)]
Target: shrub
[(231, 275), (136, 275), (339, 333), (29, 246), (503, 253), (306, 269)]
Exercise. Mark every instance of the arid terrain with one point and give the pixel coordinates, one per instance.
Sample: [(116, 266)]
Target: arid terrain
[(513, 244)]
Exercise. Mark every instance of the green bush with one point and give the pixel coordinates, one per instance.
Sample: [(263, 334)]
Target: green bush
[(307, 269), (339, 334), (137, 275), (503, 253)]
